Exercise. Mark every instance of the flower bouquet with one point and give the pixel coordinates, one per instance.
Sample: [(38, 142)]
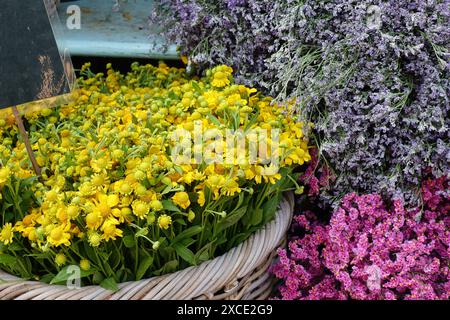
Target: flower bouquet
[(143, 174)]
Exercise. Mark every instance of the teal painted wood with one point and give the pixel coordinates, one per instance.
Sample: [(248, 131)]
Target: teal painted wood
[(106, 33)]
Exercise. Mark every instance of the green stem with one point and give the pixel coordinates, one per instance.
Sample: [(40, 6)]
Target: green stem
[(136, 255), (119, 253), (100, 263)]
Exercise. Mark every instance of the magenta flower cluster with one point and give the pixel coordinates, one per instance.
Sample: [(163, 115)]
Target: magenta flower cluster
[(371, 250)]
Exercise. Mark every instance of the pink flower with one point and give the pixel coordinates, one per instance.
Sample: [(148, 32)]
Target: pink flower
[(371, 251)]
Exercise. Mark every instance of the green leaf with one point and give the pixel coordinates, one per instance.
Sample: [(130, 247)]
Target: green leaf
[(178, 169), (14, 247), (257, 216), (114, 261), (166, 252), (196, 86), (237, 239), (45, 255), (89, 251), (167, 189), (252, 121), (64, 274), (221, 240), (237, 120), (170, 266), (231, 219), (240, 199), (143, 267), (109, 284), (188, 233), (7, 260), (127, 274), (186, 254), (129, 241), (203, 254), (170, 206), (270, 207), (214, 120), (120, 275), (172, 95), (97, 278), (187, 242), (107, 267), (180, 221), (47, 278)]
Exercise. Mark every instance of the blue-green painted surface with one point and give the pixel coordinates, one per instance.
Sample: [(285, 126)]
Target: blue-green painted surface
[(106, 33)]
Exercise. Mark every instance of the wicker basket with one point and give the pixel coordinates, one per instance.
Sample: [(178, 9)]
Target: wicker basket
[(241, 273)]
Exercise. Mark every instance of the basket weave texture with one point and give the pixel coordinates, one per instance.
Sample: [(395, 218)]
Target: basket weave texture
[(241, 273)]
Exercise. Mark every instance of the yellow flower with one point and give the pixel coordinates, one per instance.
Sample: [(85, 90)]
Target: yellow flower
[(94, 220), (4, 175), (85, 265), (85, 66), (271, 174), (32, 235), (258, 172), (191, 216), (139, 175), (140, 208), (140, 190), (60, 259), (125, 212), (51, 196), (59, 235), (231, 187), (221, 76), (86, 189), (7, 233), (124, 188), (181, 199), (151, 218), (201, 198), (94, 239), (27, 222), (110, 161), (117, 154), (104, 204), (99, 180), (220, 79), (164, 221), (62, 215), (101, 164), (156, 205), (73, 211), (110, 231), (215, 182), (187, 178)]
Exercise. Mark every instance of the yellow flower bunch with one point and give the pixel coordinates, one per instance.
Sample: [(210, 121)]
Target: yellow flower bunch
[(147, 164)]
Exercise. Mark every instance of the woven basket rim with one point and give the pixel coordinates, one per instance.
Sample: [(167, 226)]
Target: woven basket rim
[(220, 275)]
